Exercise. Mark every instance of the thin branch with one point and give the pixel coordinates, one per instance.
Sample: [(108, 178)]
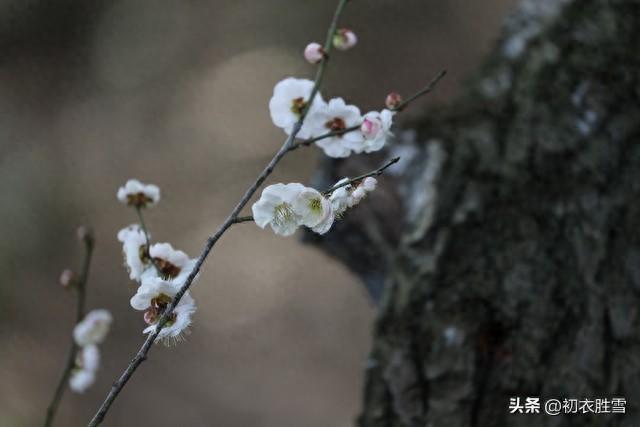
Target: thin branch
[(73, 348), (376, 172), (425, 90), (310, 141), (211, 241), (147, 248), (240, 219), (143, 226)]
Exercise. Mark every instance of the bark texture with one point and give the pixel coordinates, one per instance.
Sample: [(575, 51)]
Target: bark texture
[(505, 253)]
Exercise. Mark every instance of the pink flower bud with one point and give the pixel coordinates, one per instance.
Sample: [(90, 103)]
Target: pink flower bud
[(344, 39), (369, 184), (314, 53), (67, 278), (393, 100), (370, 127)]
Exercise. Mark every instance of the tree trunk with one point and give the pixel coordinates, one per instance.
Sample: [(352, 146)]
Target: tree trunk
[(505, 253)]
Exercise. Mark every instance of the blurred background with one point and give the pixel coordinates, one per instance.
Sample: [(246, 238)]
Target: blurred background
[(175, 93)]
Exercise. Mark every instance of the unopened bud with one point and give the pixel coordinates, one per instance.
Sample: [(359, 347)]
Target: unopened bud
[(67, 278), (314, 53), (393, 100), (344, 39), (85, 234), (369, 184)]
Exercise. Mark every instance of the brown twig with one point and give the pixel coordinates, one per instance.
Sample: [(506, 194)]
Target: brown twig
[(147, 248), (240, 219), (141, 355), (425, 90), (73, 350)]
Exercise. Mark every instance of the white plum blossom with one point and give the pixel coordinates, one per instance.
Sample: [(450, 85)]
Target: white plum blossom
[(153, 297), (290, 97), (288, 206), (134, 247), (93, 328), (332, 117), (139, 195), (376, 129), (170, 264), (81, 380), (177, 327), (151, 288), (314, 53), (275, 208), (314, 210)]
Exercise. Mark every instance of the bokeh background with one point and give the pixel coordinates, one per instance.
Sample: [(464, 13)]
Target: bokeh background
[(175, 93)]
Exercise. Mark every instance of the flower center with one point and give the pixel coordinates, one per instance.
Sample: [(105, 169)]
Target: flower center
[(297, 106), (166, 269), (336, 124), (315, 205), (138, 200), (283, 214), (158, 305)]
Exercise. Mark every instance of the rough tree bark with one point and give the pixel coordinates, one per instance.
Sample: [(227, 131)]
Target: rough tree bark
[(505, 256)]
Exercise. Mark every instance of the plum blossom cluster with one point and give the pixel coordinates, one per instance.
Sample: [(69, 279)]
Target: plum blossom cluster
[(87, 334), (158, 268), (340, 128), (164, 274), (286, 207)]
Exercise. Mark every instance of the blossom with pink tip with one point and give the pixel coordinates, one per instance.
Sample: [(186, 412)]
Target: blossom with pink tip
[(376, 130)]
